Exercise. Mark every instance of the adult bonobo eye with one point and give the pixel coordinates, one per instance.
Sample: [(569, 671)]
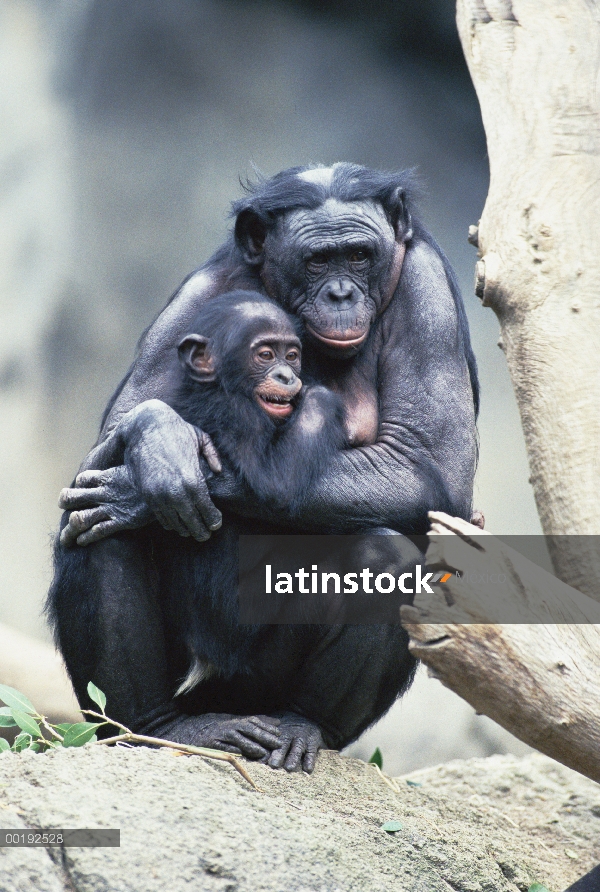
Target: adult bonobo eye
[(359, 259), (317, 264)]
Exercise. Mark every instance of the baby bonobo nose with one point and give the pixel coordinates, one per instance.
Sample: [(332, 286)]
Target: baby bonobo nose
[(284, 375)]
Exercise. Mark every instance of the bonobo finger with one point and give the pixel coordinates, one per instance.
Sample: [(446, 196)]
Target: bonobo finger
[(295, 754), (262, 732), (266, 723), (310, 758), (192, 522), (278, 756), (247, 747), (266, 739), (80, 522), (90, 478), (169, 520), (208, 450), (68, 537), (75, 499), (99, 531), (211, 516), (228, 748)]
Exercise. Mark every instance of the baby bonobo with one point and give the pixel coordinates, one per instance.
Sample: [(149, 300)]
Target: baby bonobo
[(240, 384)]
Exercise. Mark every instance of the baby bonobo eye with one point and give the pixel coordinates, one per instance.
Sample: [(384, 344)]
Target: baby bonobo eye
[(292, 355), (266, 353)]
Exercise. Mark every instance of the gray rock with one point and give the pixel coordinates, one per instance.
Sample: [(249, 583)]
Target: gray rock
[(484, 825)]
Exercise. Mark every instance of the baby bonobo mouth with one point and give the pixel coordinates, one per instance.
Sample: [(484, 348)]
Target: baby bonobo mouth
[(278, 398), (276, 405)]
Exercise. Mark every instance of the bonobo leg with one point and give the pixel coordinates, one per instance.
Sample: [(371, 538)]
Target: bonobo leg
[(104, 606), (356, 672), (352, 679)]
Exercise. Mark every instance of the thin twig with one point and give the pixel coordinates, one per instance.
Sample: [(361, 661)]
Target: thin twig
[(542, 843), (49, 727), (388, 780), (129, 735)]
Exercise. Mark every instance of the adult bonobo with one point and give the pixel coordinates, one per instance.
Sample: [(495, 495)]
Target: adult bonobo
[(385, 328)]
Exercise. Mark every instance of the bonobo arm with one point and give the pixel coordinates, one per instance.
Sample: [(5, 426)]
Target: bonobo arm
[(425, 454)]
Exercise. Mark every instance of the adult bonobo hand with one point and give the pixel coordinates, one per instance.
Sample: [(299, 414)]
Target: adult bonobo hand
[(116, 505), (151, 441)]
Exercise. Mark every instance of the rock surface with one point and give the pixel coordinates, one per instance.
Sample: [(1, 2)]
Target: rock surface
[(484, 825)]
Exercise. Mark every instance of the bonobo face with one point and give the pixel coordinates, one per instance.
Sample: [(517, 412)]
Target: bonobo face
[(249, 347), (333, 266), (274, 366)]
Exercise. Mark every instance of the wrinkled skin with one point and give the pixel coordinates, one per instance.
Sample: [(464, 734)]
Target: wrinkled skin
[(384, 328), (287, 741)]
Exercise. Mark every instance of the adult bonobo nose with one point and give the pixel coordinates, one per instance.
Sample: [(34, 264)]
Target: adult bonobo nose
[(340, 290)]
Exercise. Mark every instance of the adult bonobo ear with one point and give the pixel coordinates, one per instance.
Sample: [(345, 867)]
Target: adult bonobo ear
[(400, 215), (250, 234), (195, 355)]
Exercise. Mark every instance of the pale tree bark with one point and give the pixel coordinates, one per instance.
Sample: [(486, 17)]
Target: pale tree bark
[(536, 70), (537, 676)]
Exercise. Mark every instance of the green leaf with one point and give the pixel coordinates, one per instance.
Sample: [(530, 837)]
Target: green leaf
[(63, 727), (413, 783), (15, 699), (80, 733), (4, 745), (98, 696), (391, 826), (26, 723), (6, 719), (538, 887), (22, 742), (376, 758)]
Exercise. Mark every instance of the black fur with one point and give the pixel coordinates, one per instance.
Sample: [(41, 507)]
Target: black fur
[(118, 615), (269, 198), (199, 581)]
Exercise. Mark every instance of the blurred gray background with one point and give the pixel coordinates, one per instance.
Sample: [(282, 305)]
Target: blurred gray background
[(124, 127)]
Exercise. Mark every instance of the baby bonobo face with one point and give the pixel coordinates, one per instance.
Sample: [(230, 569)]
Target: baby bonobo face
[(275, 364)]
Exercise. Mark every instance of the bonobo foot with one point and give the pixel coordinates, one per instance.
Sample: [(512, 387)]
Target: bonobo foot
[(254, 736), (299, 743), (285, 741)]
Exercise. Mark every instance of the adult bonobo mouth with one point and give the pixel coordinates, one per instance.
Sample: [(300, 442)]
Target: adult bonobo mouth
[(346, 342)]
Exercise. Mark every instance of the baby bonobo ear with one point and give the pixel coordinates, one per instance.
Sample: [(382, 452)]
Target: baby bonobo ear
[(195, 355)]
